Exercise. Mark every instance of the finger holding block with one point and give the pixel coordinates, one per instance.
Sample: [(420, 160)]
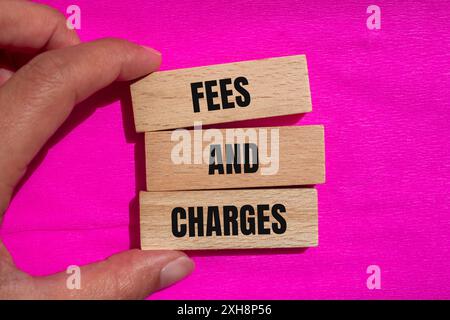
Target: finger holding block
[(234, 158), (221, 93), (229, 219)]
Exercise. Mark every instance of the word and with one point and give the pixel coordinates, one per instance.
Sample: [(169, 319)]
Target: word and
[(233, 158), (258, 149)]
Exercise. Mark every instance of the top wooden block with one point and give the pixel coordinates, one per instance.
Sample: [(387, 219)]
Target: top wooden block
[(221, 93)]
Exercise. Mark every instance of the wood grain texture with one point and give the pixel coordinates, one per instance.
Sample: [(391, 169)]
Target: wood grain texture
[(277, 86), (300, 216), (300, 160)]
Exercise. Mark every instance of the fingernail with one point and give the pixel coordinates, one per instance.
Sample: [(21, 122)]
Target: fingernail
[(175, 270), (5, 74), (153, 51)]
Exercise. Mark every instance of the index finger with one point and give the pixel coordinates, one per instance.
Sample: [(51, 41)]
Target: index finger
[(32, 26), (39, 97)]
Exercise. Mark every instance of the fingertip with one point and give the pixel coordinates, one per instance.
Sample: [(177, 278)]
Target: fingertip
[(155, 270), (175, 271), (154, 58), (62, 35), (134, 60), (152, 51), (171, 266), (5, 74)]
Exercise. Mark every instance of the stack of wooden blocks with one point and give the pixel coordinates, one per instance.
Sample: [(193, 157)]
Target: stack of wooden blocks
[(228, 188)]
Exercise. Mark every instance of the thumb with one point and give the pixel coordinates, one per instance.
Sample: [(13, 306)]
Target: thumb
[(132, 274)]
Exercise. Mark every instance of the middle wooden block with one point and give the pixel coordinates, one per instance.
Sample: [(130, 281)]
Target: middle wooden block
[(234, 158)]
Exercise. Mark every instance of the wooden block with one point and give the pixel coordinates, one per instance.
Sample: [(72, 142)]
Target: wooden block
[(178, 160), (229, 219), (221, 93)]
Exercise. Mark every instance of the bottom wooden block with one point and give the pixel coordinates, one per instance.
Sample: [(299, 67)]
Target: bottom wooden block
[(229, 219)]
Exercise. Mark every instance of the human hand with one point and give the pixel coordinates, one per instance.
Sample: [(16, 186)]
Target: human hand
[(36, 96)]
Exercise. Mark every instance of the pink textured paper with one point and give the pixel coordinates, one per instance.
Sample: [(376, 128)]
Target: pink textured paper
[(383, 97)]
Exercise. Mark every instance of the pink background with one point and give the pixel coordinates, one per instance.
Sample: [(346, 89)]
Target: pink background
[(383, 97)]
